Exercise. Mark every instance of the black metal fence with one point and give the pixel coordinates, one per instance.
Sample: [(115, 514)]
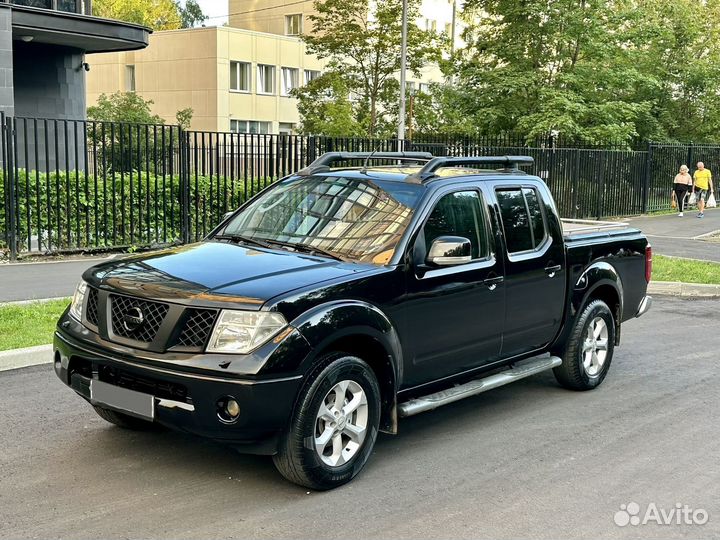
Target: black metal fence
[(82, 185)]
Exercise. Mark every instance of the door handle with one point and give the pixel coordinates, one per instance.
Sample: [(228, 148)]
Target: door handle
[(492, 282), (552, 270)]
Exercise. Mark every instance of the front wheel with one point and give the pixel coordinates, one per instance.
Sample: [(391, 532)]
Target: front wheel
[(334, 425), (589, 349)]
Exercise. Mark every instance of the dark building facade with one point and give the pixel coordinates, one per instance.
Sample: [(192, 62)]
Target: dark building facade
[(43, 44), (42, 54)]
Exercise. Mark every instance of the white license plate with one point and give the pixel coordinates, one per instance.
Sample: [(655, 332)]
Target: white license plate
[(122, 399)]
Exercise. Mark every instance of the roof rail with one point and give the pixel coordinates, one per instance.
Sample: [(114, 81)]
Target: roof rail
[(428, 170), (328, 158)]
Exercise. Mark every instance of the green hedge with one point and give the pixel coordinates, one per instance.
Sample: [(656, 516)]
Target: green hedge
[(77, 211)]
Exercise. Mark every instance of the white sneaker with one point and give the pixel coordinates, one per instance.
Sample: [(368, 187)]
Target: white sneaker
[(680, 214)]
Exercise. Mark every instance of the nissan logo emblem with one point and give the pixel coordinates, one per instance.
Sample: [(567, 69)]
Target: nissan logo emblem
[(133, 319)]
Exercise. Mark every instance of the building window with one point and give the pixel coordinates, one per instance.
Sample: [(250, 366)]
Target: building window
[(266, 79), (130, 78), (286, 128), (410, 87), (424, 88), (249, 126), (311, 75), (290, 80), (240, 76), (293, 24)]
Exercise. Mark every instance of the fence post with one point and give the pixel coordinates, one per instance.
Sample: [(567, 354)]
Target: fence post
[(184, 143), (646, 180), (10, 177), (575, 183)]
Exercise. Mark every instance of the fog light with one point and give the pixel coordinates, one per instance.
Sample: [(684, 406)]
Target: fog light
[(232, 408), (228, 409)]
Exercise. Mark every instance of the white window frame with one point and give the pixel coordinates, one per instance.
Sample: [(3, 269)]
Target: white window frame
[(288, 24), (260, 80), (284, 90), (248, 76), (130, 78), (307, 77), (247, 126)]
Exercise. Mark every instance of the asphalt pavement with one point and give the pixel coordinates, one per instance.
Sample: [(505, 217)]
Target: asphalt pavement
[(31, 281), (677, 236), (528, 460)]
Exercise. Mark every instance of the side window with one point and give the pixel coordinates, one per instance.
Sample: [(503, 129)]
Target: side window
[(522, 218), (459, 214)]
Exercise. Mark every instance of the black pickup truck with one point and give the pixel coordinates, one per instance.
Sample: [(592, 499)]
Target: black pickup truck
[(341, 299)]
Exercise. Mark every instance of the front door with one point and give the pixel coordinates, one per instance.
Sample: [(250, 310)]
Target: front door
[(454, 314)]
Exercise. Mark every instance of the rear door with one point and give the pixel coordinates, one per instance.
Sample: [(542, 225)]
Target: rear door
[(535, 272), (454, 314)]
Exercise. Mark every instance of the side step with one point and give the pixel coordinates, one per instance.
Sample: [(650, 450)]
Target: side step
[(523, 369)]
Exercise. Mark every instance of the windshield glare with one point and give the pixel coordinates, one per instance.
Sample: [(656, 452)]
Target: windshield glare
[(355, 219)]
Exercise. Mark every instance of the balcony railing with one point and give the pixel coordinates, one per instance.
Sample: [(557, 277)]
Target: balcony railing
[(69, 6)]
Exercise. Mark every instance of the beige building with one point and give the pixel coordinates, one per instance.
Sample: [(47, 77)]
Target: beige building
[(238, 77), (234, 80)]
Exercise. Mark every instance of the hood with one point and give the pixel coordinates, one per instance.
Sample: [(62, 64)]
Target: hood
[(217, 273)]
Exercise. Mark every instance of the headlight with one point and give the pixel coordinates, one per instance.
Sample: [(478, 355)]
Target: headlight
[(242, 331), (77, 301)]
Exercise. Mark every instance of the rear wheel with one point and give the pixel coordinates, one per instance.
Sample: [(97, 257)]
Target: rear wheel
[(589, 349), (124, 421), (334, 425)]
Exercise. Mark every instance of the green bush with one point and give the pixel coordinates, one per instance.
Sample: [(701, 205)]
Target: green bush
[(70, 211)]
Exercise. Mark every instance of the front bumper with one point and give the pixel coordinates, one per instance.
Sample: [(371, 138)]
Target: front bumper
[(186, 401)]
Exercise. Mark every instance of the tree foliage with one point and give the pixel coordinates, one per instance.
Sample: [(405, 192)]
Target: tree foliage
[(362, 42), (124, 107), (155, 14), (591, 69), (190, 14)]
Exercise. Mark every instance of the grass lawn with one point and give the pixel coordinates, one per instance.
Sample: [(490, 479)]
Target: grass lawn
[(29, 324), (689, 271)]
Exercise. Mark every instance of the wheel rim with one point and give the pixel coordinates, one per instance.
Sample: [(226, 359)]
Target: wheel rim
[(341, 423), (595, 347)]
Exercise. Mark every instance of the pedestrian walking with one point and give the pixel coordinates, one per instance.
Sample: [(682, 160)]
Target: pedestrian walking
[(681, 185), (702, 186)]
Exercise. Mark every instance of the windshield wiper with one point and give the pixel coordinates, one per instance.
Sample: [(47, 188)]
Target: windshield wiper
[(305, 248), (238, 238)]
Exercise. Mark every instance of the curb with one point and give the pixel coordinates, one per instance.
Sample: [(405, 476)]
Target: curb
[(34, 301), (30, 356), (687, 290)]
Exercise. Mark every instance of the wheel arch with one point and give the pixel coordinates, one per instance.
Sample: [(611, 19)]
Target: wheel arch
[(363, 330)]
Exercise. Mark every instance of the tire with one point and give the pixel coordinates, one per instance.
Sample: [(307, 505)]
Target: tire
[(584, 367), (124, 421), (338, 378)]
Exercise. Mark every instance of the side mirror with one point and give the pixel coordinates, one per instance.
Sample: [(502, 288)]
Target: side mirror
[(449, 251)]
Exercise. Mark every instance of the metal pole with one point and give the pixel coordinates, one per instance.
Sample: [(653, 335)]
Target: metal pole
[(403, 65)]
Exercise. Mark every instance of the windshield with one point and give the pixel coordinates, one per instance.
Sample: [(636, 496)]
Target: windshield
[(349, 218)]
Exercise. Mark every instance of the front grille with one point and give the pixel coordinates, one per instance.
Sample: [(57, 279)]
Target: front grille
[(92, 306), (153, 315), (197, 327)]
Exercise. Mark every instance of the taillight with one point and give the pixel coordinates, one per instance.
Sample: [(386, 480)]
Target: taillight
[(648, 263)]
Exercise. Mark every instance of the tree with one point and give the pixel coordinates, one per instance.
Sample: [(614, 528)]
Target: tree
[(123, 107), (184, 117), (325, 108), (191, 14), (362, 42), (155, 14)]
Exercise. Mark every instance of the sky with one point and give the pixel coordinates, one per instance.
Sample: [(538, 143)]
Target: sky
[(214, 8)]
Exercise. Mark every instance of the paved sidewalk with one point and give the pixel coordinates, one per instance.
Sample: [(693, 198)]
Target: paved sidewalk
[(679, 236)]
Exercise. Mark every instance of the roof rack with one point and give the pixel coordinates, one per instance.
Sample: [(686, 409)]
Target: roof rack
[(511, 163), (328, 158)]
